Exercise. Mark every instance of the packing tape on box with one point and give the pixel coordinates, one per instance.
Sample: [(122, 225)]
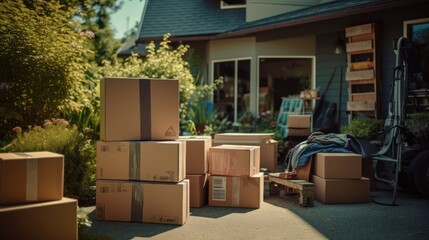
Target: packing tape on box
[(134, 161), (235, 201), (31, 165), (137, 203), (145, 109)]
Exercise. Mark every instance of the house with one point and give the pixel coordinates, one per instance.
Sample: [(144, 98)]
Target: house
[(267, 50)]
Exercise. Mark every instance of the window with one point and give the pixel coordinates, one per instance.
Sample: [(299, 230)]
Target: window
[(231, 99), (283, 77), (418, 32), (232, 4)]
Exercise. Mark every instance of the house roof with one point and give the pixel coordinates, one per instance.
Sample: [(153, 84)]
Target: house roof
[(205, 20), (188, 18)]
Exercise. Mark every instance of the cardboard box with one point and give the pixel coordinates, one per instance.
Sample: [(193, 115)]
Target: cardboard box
[(341, 190), (147, 202), (197, 151), (338, 165), (48, 220), (234, 160), (31, 177), (199, 187), (299, 121), (139, 109), (268, 146), (163, 161), (301, 132), (246, 192)]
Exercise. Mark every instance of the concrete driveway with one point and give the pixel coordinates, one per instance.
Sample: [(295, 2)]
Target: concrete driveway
[(283, 218)]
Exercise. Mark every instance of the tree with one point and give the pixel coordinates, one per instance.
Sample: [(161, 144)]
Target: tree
[(43, 60)]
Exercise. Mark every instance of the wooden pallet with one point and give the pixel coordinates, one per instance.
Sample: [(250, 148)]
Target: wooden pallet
[(304, 188)]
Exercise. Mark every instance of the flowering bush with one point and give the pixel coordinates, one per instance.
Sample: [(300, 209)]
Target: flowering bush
[(163, 62), (56, 135)]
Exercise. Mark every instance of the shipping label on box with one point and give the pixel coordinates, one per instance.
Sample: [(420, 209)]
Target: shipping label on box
[(234, 160), (299, 121), (341, 190), (338, 165), (139, 109), (133, 201), (198, 189), (31, 177), (228, 191), (163, 161), (197, 150), (44, 220)]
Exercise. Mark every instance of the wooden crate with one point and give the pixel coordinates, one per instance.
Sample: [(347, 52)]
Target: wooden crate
[(359, 30), (359, 46), (361, 106), (360, 75), (359, 97), (361, 65)]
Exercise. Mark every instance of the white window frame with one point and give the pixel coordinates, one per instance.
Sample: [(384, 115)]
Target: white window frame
[(414, 21)]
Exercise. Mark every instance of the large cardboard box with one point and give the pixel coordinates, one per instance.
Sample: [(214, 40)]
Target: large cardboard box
[(199, 187), (147, 202), (299, 121), (47, 220), (268, 146), (234, 160), (341, 190), (338, 165), (227, 191), (139, 109), (163, 161), (197, 151), (31, 177)]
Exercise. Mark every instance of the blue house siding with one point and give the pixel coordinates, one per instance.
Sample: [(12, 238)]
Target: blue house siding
[(326, 62)]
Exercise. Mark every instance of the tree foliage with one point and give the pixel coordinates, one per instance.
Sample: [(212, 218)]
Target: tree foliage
[(43, 60)]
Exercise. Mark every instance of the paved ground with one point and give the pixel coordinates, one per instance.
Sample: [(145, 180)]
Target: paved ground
[(282, 218)]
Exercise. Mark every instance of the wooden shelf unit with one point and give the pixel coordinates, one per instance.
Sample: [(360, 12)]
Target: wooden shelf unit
[(361, 73)]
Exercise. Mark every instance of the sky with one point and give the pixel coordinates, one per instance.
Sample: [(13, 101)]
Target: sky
[(126, 17)]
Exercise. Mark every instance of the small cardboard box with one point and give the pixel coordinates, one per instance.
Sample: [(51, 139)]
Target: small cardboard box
[(139, 109), (198, 190), (268, 146), (338, 165), (197, 151), (147, 202), (227, 191), (300, 132), (234, 160), (299, 121), (341, 190), (31, 177), (47, 220), (163, 161)]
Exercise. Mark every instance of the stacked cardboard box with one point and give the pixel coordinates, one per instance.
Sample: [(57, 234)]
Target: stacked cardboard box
[(31, 197), (338, 178), (268, 146), (197, 149), (299, 125), (235, 179), (140, 161)]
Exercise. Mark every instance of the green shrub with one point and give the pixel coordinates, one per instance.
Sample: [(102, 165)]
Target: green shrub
[(361, 127), (58, 136), (418, 124), (42, 62)]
